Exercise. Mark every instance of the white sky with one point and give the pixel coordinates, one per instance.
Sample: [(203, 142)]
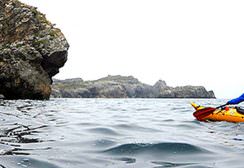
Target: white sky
[(184, 42)]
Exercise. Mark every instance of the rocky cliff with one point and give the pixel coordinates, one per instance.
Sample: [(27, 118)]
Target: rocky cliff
[(124, 87), (31, 51)]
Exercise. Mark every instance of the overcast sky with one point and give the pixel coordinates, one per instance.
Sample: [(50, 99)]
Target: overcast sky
[(184, 42)]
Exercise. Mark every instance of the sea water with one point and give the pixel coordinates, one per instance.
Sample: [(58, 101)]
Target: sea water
[(115, 133)]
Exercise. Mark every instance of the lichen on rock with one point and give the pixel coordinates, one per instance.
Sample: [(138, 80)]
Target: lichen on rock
[(31, 51)]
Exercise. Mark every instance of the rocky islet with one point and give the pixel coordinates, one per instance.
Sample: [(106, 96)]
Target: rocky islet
[(124, 87)]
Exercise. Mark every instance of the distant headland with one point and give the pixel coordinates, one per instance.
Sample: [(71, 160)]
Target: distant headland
[(124, 87)]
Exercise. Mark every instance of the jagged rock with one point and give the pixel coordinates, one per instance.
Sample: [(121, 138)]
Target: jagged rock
[(211, 94), (31, 51), (160, 85), (124, 87)]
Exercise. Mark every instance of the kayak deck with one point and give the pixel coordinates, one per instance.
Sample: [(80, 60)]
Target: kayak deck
[(229, 114)]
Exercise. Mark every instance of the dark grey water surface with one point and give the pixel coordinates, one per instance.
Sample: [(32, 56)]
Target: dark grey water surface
[(116, 133)]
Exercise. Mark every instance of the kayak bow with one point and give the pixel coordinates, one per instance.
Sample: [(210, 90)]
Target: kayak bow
[(230, 114)]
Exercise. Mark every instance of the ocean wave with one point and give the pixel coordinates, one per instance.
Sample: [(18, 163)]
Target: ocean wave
[(163, 148)]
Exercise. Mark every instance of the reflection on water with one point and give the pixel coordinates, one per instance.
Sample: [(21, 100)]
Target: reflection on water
[(73, 133)]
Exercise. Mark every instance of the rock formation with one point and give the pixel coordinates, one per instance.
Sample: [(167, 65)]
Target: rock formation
[(31, 51), (124, 87)]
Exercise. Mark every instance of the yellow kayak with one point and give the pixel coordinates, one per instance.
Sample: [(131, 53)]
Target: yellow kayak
[(230, 114)]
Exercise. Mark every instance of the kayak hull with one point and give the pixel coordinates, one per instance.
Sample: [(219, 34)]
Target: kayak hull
[(229, 114)]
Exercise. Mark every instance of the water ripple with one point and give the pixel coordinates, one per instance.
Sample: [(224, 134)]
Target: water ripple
[(103, 130), (171, 164)]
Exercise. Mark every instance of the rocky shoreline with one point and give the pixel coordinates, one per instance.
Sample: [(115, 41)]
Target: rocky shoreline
[(31, 51), (124, 87)]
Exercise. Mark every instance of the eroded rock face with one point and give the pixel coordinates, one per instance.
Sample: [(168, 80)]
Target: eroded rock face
[(31, 51)]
